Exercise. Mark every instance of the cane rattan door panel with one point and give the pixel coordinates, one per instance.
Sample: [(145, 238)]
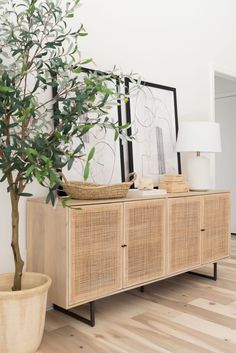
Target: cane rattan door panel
[(215, 238), (95, 260), (144, 237), (184, 233)]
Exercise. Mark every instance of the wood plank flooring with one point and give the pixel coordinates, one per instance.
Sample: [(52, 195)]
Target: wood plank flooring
[(184, 314)]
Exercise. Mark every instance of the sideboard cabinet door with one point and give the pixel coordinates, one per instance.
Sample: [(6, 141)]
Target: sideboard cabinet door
[(95, 251), (144, 241), (215, 238), (184, 233)]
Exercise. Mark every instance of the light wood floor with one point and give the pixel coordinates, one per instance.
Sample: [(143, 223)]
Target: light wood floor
[(184, 314)]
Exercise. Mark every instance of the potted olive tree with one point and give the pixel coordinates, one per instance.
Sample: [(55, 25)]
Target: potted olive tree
[(39, 52)]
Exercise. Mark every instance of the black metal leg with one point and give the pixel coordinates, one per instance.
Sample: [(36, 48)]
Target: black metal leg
[(90, 321), (142, 289), (92, 313), (214, 277), (215, 271)]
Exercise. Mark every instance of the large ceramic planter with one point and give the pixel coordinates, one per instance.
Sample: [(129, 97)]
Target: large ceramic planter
[(22, 313)]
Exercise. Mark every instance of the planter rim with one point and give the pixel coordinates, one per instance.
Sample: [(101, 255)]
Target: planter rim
[(26, 292)]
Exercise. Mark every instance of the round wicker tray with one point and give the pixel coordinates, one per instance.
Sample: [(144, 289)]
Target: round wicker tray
[(91, 191)]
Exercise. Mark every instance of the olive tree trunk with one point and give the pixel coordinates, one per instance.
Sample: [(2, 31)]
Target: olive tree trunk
[(19, 263)]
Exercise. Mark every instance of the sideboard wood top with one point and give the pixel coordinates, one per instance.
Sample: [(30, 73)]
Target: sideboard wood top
[(74, 202)]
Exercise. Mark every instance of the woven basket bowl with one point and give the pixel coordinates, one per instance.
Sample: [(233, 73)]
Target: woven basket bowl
[(91, 191)]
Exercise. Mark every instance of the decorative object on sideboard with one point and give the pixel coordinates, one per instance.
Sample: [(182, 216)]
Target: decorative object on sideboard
[(91, 191), (145, 184), (145, 189), (198, 136), (173, 183), (145, 193), (152, 112)]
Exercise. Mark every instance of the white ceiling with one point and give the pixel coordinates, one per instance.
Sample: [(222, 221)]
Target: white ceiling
[(224, 85)]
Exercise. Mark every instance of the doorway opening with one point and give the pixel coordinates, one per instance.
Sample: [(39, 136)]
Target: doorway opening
[(225, 114)]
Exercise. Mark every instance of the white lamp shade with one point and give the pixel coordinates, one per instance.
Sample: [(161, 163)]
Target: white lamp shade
[(198, 136)]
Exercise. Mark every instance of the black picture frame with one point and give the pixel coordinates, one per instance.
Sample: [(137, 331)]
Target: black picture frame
[(119, 119), (130, 119)]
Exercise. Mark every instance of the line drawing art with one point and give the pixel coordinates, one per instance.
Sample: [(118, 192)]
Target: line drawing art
[(152, 112), (107, 165)]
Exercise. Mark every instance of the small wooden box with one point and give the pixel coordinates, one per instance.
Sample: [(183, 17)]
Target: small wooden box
[(173, 178), (173, 183), (174, 187)]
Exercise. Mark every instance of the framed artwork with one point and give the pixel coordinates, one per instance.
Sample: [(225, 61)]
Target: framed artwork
[(107, 165), (152, 112)]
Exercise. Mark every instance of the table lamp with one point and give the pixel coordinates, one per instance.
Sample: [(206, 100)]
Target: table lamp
[(198, 136)]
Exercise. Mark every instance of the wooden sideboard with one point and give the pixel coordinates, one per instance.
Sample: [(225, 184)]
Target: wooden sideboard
[(95, 249)]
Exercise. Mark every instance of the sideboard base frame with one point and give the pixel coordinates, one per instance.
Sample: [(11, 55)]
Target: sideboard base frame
[(90, 321), (213, 277)]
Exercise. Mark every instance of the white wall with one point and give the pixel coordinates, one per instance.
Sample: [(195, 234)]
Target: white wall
[(170, 42), (6, 258), (225, 161), (167, 41)]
